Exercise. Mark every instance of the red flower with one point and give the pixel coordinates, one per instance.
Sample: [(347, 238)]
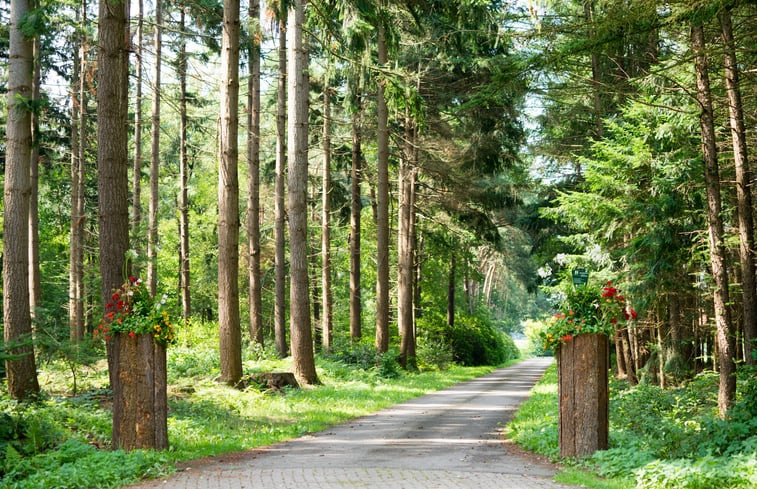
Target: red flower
[(132, 334), (634, 314), (132, 278), (614, 320), (107, 338), (114, 296), (108, 305), (609, 292), (120, 305), (626, 315), (567, 337)]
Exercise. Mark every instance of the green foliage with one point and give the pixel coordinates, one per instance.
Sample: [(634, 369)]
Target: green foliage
[(472, 340), (663, 439), (65, 442), (133, 311), (364, 356), (585, 311)]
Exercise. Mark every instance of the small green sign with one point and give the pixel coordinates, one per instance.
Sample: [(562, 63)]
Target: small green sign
[(580, 276)]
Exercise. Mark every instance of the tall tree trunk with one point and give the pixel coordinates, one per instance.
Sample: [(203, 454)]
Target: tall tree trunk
[(314, 271), (328, 314), (451, 289), (152, 218), (356, 305), (743, 187), (405, 254), (253, 171), (21, 372), (279, 209), (112, 152), (75, 263), (136, 194), (112, 179), (382, 205), (724, 333), (228, 200), (595, 81), (186, 298), (418, 273), (35, 285), (297, 156)]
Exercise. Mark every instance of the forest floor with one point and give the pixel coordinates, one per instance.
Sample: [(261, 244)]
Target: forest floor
[(448, 439)]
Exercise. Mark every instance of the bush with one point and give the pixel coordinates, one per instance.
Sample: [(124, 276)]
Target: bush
[(363, 355), (473, 341)]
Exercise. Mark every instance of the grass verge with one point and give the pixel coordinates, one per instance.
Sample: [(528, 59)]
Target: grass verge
[(659, 439), (66, 439)]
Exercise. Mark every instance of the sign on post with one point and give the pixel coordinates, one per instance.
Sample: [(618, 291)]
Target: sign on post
[(580, 277)]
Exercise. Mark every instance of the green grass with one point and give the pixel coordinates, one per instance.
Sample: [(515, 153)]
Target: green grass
[(659, 439), (63, 441)]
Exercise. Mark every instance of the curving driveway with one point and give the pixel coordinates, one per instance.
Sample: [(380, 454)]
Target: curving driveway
[(448, 439)]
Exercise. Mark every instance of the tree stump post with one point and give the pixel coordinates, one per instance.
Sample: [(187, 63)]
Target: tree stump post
[(582, 365), (140, 407)]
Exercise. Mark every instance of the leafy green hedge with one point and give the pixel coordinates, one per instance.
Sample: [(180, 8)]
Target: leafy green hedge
[(473, 340)]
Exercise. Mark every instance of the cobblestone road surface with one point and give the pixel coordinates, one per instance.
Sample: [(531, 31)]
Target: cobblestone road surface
[(448, 439)]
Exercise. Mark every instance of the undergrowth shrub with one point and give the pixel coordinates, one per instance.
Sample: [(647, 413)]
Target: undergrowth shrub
[(473, 340), (662, 439), (363, 355)]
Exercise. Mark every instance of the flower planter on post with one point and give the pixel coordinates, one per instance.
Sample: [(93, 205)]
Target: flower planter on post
[(582, 365), (139, 397), (579, 335), (138, 329)]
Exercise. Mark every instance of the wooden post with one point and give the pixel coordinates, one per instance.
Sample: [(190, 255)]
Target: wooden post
[(582, 365), (140, 398)]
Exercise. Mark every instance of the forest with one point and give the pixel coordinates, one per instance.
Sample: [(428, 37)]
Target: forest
[(370, 191)]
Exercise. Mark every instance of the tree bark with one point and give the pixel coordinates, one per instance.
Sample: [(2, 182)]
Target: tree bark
[(382, 204), (451, 290), (583, 394), (21, 372), (297, 156), (743, 187), (152, 218), (314, 272), (253, 171), (112, 154), (279, 209), (140, 414), (76, 257), (724, 333), (184, 270), (328, 314), (595, 81), (405, 254), (356, 305), (136, 196), (35, 285), (228, 201)]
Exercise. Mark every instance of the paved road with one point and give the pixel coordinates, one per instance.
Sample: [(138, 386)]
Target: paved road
[(448, 439)]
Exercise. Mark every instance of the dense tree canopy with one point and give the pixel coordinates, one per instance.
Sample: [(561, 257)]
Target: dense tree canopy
[(444, 159)]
